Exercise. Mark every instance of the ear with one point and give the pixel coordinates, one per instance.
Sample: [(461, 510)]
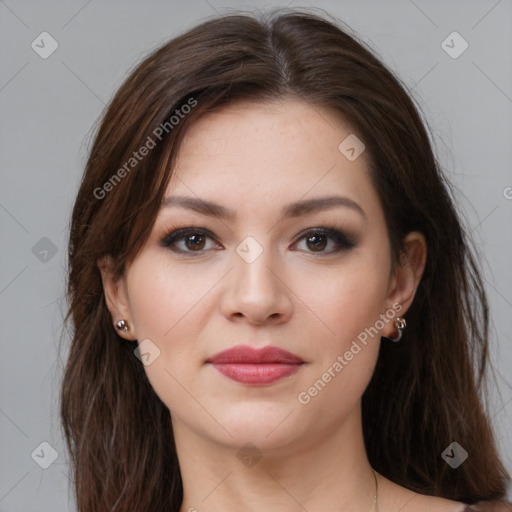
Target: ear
[(116, 297), (407, 276)]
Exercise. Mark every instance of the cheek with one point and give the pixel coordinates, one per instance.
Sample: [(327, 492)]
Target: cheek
[(162, 302), (348, 299), (169, 305), (162, 296), (346, 346)]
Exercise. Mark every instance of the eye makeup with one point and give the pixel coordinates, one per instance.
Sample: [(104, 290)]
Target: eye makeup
[(193, 240)]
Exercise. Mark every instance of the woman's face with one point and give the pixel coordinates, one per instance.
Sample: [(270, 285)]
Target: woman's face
[(261, 278)]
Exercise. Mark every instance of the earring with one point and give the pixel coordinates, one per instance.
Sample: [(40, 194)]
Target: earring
[(122, 325), (400, 324)]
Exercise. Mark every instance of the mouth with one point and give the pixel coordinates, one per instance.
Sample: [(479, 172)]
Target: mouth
[(248, 365)]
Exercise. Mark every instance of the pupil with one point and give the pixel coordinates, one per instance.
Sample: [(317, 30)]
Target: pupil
[(196, 241), (317, 244)]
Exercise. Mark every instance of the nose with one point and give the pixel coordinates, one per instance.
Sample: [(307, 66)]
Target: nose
[(256, 290)]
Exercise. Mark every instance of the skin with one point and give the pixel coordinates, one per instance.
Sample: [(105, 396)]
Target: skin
[(254, 158)]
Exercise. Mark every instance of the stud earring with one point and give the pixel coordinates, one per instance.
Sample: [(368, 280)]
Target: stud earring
[(122, 325), (400, 324)]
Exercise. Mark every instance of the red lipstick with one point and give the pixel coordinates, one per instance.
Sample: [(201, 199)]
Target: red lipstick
[(249, 365)]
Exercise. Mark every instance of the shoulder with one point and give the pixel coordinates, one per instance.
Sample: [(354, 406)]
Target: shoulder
[(431, 503), (397, 498), (490, 506)]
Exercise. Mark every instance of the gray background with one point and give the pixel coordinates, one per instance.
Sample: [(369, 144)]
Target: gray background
[(48, 108)]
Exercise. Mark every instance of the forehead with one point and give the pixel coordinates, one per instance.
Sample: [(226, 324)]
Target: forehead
[(258, 128), (270, 153)]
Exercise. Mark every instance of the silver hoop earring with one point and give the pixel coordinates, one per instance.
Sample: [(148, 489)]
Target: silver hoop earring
[(400, 324), (122, 325)]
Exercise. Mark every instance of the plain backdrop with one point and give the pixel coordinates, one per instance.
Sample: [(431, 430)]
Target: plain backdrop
[(48, 110)]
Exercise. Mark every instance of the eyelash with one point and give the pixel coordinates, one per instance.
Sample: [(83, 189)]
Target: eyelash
[(342, 241)]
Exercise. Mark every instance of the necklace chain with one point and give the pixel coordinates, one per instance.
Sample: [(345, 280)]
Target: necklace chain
[(375, 505)]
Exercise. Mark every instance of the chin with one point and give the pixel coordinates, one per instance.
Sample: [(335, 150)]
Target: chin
[(268, 424)]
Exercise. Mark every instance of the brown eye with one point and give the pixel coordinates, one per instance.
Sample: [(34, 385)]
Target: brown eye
[(317, 242), (318, 239), (189, 240), (194, 242)]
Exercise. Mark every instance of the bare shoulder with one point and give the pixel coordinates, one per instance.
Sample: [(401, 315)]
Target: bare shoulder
[(423, 503), (482, 506), (430, 503), (491, 506), (395, 497)]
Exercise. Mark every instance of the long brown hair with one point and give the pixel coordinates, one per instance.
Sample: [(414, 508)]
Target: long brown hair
[(425, 392)]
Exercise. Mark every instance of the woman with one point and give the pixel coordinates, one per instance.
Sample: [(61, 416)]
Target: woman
[(275, 306)]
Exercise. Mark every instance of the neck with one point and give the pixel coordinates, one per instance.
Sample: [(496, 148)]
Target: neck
[(329, 472)]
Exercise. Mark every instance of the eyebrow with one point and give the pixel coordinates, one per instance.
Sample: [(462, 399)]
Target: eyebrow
[(290, 210)]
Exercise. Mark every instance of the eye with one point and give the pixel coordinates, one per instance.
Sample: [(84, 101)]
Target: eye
[(193, 239), (318, 239)]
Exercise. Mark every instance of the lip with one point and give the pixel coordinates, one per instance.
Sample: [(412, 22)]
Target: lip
[(250, 355), (248, 365)]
